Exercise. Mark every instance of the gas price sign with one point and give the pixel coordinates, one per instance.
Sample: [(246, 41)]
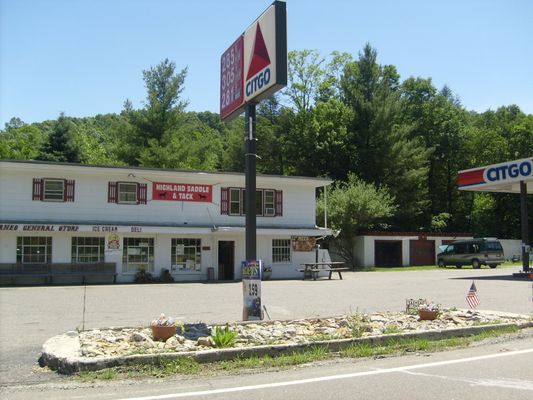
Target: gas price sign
[(231, 78)]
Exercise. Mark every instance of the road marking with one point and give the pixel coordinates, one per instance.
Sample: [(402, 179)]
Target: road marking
[(329, 378)]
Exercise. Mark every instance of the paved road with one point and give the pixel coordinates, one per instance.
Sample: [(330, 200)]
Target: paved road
[(29, 316), (492, 371)]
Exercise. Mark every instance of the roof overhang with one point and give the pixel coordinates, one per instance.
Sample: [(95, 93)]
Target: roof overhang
[(503, 178)]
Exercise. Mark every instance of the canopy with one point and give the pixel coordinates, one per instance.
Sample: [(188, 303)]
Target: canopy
[(504, 177)]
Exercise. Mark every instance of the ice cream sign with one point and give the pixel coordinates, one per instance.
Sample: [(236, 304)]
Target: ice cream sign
[(182, 192)]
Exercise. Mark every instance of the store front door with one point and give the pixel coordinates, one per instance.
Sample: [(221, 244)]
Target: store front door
[(226, 260)]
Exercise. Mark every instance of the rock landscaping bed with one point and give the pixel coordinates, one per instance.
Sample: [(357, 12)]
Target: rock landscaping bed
[(103, 348), (197, 337)]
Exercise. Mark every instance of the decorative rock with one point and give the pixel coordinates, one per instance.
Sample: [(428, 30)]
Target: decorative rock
[(172, 342), (139, 337), (205, 341)]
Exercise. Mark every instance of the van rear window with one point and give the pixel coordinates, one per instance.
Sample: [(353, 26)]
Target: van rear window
[(494, 246)]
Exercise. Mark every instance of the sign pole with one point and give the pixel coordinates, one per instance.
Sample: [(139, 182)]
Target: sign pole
[(525, 228), (250, 172)]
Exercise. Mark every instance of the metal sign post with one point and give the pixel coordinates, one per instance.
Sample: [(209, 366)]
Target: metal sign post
[(250, 177)]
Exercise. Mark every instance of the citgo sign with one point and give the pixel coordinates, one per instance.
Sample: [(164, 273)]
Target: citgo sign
[(512, 171), (255, 65)]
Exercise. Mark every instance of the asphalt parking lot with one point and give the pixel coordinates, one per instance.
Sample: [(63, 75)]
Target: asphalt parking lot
[(31, 315)]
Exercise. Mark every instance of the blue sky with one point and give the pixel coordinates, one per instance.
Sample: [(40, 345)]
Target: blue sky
[(86, 57)]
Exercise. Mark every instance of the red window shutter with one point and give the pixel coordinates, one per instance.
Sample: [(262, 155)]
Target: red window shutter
[(69, 190), (112, 192), (279, 203), (37, 189), (141, 193), (224, 201)]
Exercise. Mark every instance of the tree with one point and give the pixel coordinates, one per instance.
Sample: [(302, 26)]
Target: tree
[(61, 145), (155, 124), (20, 142), (354, 206), (386, 153)]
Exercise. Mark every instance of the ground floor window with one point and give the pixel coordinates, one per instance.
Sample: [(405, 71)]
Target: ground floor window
[(281, 250), (87, 249), (138, 253), (34, 249), (186, 254)]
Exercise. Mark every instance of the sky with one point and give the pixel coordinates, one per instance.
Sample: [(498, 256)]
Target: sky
[(86, 57)]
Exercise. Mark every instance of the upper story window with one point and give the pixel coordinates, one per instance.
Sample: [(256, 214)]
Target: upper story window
[(53, 189), (269, 202), (126, 193)]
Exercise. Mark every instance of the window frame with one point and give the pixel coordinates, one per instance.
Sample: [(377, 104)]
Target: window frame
[(194, 244), (261, 195), (24, 249), (281, 256), (119, 192), (84, 242), (135, 243), (55, 192)]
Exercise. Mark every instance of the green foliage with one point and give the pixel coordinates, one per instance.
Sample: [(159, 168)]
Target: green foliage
[(341, 115), (223, 336), (354, 206)]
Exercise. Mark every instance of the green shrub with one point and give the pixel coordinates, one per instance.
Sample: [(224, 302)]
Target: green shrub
[(223, 337)]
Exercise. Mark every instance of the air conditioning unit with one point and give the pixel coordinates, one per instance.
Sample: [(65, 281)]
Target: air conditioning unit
[(269, 211)]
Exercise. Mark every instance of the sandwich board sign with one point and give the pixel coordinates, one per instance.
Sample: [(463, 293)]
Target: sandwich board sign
[(255, 66)]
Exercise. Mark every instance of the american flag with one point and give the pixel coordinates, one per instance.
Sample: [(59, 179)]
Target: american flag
[(472, 298)]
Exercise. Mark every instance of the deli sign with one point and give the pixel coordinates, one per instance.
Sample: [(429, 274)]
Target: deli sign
[(255, 65), (182, 192)]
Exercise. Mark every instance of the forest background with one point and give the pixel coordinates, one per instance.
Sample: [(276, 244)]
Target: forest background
[(392, 146)]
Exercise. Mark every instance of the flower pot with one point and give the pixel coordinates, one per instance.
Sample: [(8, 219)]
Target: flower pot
[(427, 315), (161, 332)]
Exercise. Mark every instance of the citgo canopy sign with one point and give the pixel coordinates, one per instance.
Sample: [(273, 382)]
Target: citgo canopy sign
[(504, 177), (255, 65)]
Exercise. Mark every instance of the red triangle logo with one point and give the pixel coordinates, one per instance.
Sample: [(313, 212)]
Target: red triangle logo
[(260, 58)]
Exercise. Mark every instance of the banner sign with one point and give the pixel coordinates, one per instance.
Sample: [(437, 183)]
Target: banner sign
[(182, 192), (303, 243), (251, 290), (255, 66)]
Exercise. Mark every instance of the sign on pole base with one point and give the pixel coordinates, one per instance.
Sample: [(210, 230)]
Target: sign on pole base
[(251, 290)]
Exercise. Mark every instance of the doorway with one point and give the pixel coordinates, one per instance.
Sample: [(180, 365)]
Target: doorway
[(226, 260), (388, 253)]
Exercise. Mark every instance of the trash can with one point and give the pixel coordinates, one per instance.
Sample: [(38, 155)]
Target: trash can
[(210, 274)]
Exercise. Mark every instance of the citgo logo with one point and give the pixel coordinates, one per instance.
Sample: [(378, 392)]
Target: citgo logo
[(509, 171), (258, 71)]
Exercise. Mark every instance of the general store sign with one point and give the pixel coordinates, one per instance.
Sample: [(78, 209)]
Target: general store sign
[(182, 192), (255, 65)]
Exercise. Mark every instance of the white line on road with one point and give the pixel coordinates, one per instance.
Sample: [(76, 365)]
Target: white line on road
[(328, 378)]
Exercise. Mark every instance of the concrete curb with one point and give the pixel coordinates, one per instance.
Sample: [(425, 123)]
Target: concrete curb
[(62, 352)]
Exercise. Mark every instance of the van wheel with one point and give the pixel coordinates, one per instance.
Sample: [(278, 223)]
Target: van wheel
[(493, 265), (441, 264), (476, 264)]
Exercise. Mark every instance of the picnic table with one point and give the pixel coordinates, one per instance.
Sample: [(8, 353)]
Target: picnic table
[(312, 269)]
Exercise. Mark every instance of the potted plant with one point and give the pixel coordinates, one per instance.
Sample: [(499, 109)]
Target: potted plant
[(163, 327), (267, 273), (429, 311)]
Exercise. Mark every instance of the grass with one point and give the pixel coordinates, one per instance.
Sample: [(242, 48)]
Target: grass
[(186, 366), (506, 264)]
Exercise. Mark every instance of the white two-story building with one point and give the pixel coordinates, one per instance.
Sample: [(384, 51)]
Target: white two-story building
[(190, 223)]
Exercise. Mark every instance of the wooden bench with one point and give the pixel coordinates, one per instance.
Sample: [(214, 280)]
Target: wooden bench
[(49, 271), (313, 269)]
